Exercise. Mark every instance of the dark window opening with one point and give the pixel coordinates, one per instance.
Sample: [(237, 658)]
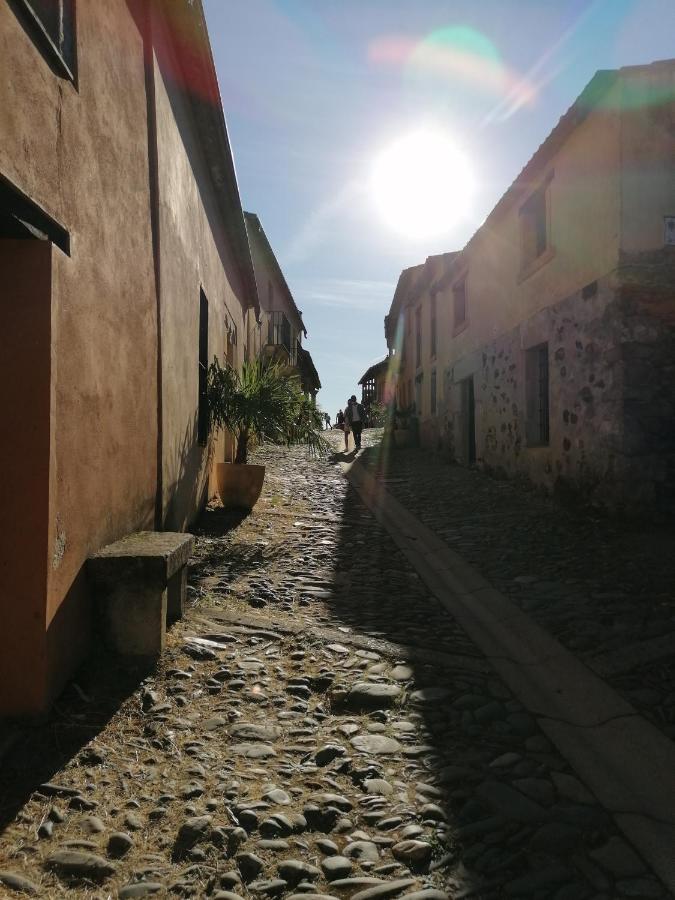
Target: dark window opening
[(418, 336), (418, 394), (231, 343), (53, 24), (433, 393), (534, 225), (537, 400), (459, 302), (203, 423), (21, 219), (433, 326), (279, 330)]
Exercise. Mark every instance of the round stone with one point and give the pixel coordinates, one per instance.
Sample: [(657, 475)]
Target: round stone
[(375, 744), (336, 867)]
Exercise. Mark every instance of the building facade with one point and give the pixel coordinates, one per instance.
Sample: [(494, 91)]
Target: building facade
[(544, 349), (279, 331), (376, 386), (125, 268)]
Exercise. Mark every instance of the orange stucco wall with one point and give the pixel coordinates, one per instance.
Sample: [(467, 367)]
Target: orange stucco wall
[(84, 154), (195, 254)]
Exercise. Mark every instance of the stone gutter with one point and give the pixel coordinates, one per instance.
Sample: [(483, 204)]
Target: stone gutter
[(624, 760)]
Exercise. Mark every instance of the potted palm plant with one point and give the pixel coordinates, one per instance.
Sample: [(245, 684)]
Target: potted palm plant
[(260, 403)]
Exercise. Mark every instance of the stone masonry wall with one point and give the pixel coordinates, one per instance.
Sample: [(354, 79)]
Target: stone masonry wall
[(611, 393), (586, 375), (648, 349)]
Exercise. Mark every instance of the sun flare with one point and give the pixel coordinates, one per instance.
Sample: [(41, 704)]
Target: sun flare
[(422, 185)]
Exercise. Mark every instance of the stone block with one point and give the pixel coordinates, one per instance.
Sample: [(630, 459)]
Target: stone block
[(139, 583)]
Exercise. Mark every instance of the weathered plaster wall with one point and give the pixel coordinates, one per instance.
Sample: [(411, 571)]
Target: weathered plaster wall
[(194, 254), (584, 236), (81, 153)]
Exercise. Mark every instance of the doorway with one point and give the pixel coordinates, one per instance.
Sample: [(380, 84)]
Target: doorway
[(468, 417), (25, 399)]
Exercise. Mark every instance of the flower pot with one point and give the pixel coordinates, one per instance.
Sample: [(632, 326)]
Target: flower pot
[(239, 485), (402, 437)]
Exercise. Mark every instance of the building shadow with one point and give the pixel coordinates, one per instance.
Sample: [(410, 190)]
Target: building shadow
[(479, 765), (41, 748)]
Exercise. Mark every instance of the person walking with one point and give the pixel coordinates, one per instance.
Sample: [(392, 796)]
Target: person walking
[(354, 417), (326, 419), (344, 425)]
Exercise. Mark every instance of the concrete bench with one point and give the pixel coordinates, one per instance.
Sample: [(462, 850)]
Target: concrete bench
[(140, 583)]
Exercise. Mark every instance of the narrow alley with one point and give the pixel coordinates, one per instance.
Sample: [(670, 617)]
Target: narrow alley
[(319, 726)]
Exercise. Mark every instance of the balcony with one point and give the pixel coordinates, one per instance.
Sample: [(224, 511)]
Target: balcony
[(279, 331)]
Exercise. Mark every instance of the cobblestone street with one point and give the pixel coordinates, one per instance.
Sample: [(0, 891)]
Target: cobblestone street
[(319, 725), (603, 587)]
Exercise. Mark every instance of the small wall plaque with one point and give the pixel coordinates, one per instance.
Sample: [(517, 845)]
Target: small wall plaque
[(669, 230)]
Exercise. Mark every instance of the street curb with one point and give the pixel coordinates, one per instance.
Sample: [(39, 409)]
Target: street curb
[(623, 759)]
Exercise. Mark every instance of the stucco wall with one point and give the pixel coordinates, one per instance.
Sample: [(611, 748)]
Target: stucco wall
[(84, 153), (194, 254), (81, 153)]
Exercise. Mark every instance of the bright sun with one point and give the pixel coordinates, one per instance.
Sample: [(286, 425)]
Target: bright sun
[(422, 185)]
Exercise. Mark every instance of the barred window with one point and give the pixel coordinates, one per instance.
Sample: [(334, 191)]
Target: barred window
[(537, 398), (53, 23)]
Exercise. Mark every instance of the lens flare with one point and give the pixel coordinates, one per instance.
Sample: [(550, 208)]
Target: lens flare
[(453, 62), (422, 184)]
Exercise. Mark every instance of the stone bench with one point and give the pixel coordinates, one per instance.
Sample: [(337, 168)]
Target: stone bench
[(140, 583)]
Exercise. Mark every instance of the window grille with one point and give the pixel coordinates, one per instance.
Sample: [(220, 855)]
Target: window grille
[(418, 336), (53, 23), (537, 388), (279, 330)]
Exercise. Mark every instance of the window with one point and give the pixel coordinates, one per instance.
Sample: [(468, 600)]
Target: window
[(459, 303), (203, 409), (534, 226), (231, 343), (432, 310), (418, 394), (432, 394), (536, 401), (418, 336), (279, 330), (53, 21)]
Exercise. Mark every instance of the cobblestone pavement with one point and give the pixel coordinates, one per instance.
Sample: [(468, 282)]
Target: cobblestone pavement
[(318, 727), (604, 588)]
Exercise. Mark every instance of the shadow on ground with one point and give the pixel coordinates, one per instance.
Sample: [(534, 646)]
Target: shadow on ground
[(502, 809), (40, 749)]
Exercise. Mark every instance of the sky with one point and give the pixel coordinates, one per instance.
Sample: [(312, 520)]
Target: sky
[(315, 91)]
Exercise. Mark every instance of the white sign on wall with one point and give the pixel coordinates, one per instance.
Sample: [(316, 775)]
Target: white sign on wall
[(669, 230)]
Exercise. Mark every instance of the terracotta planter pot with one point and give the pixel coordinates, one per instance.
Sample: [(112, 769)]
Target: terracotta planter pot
[(239, 486)]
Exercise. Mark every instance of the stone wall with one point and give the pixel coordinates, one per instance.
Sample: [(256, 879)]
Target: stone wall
[(611, 396), (648, 351), (583, 333)]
